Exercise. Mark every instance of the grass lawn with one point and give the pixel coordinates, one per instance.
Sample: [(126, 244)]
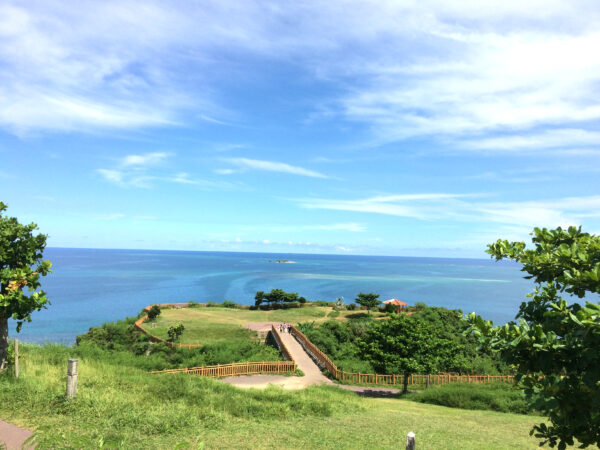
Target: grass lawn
[(215, 324), (118, 406)]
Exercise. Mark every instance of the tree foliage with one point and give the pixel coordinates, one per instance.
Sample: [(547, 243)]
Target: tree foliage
[(370, 300), (555, 345), (277, 297), (21, 266), (406, 345), (175, 331), (153, 312)]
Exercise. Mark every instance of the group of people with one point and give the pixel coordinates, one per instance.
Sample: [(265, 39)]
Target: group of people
[(284, 327)]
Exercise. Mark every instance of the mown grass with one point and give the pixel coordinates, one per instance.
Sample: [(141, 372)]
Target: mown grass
[(125, 407), (215, 325)]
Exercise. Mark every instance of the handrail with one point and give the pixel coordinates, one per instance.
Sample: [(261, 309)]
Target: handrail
[(233, 369)]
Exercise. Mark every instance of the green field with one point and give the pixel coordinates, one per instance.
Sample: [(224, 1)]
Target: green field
[(119, 406), (216, 324)]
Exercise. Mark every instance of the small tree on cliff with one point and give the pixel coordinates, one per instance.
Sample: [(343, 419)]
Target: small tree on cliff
[(21, 266), (370, 300)]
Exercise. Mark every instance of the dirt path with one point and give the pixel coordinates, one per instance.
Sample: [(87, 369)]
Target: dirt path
[(13, 437)]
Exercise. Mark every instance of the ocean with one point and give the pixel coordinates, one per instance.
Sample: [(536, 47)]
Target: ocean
[(92, 286)]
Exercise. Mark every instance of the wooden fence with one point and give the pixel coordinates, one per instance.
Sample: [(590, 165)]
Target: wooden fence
[(373, 378), (233, 369), (280, 343), (140, 321)]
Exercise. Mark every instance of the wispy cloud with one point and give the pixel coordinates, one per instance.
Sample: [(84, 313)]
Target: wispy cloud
[(144, 170), (271, 166), (551, 213), (550, 139), (404, 69)]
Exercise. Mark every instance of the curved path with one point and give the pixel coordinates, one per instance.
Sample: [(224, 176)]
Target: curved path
[(13, 437), (312, 373)]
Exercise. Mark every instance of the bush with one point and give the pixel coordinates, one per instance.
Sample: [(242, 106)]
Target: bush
[(351, 307), (229, 304), (175, 331), (153, 312)]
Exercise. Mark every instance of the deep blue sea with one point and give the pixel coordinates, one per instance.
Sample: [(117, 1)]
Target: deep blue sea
[(91, 286)]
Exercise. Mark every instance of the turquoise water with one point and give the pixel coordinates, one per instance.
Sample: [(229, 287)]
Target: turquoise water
[(89, 286)]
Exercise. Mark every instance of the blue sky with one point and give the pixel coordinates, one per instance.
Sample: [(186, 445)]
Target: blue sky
[(425, 128)]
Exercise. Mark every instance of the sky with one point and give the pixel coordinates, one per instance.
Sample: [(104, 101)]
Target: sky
[(409, 128)]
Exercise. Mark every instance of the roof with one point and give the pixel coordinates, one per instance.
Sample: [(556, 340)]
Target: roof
[(395, 301)]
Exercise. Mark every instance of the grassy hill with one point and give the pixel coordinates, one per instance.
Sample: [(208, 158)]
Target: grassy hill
[(217, 324), (120, 406)]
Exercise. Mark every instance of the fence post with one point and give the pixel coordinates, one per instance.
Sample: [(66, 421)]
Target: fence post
[(428, 382), (410, 441), (16, 358), (72, 378)]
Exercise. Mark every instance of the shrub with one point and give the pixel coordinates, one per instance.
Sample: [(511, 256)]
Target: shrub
[(351, 307), (153, 312), (175, 331), (229, 304)]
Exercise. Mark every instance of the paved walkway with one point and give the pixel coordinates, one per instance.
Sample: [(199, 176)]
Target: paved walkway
[(312, 373), (12, 436)]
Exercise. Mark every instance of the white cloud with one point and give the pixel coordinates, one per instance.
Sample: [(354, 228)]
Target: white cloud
[(148, 159), (140, 171), (273, 166), (549, 139), (457, 69), (473, 209)]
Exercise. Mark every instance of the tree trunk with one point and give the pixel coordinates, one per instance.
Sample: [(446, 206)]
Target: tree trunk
[(405, 387), (3, 342)]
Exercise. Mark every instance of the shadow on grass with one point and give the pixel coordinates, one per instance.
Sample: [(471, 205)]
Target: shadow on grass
[(358, 315)]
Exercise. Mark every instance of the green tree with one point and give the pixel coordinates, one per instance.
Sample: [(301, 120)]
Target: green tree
[(277, 297), (21, 266), (406, 345), (154, 312), (175, 331), (370, 300), (555, 346)]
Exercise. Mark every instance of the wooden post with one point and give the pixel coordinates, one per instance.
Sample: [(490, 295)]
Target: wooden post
[(410, 441), (428, 381), (72, 378), (16, 358)]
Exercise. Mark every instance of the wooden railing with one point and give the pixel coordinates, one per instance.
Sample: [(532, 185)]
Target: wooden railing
[(374, 378), (280, 343), (233, 369), (315, 351), (140, 321)]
